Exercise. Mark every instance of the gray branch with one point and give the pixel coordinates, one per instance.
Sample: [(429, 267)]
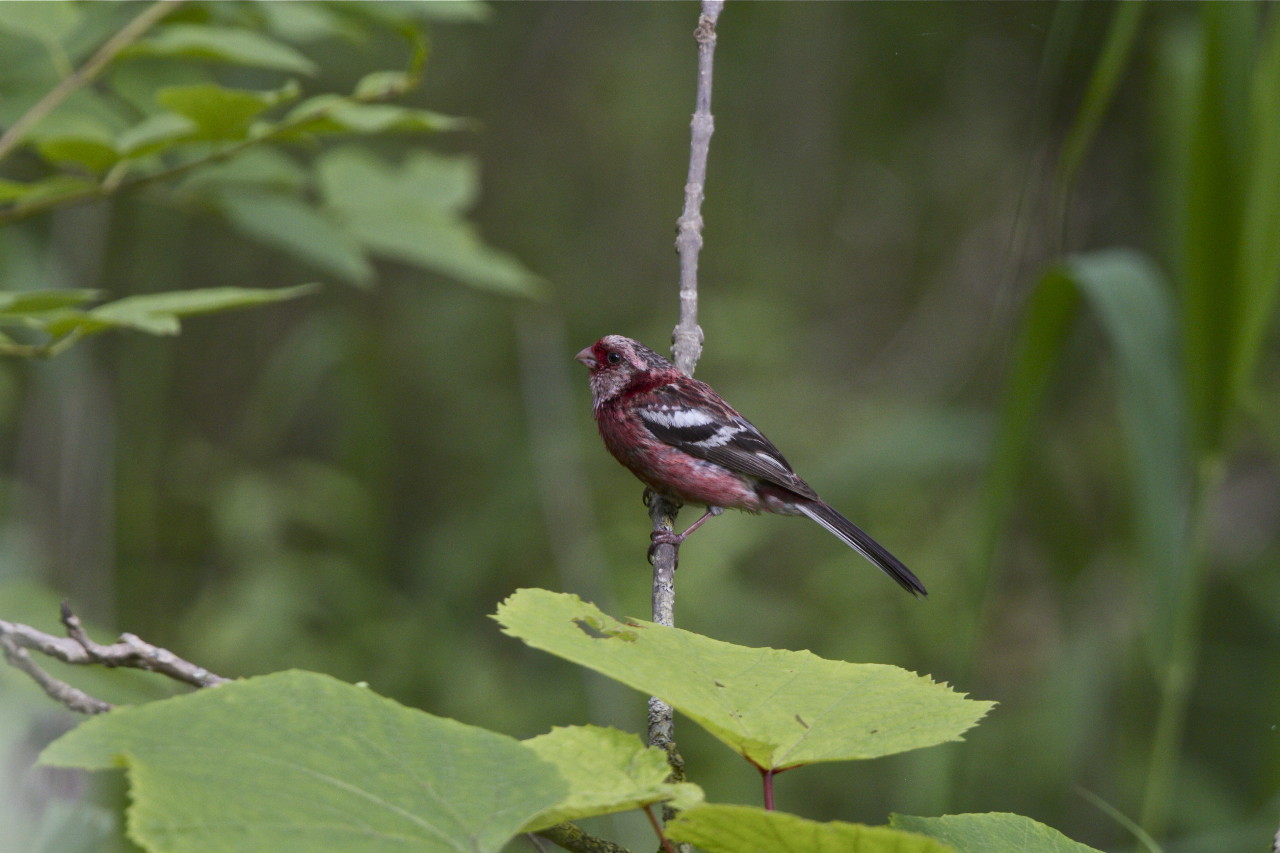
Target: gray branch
[(687, 338), (687, 348), (18, 641)]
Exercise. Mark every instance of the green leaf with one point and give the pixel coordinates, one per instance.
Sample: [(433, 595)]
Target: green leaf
[(1106, 75), (81, 132), (222, 44), (296, 761), (332, 114), (310, 22), (412, 214), (778, 709), (54, 186), (155, 133), (1215, 182), (219, 112), (738, 829), (136, 83), (608, 771), (11, 190), (991, 833), (159, 312), (287, 222), (92, 153), (24, 301), (382, 84), (457, 11), (1134, 305)]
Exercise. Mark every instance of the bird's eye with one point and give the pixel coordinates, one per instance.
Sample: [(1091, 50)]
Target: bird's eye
[(613, 358)]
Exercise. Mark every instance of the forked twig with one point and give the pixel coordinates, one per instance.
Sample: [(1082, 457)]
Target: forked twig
[(18, 641)]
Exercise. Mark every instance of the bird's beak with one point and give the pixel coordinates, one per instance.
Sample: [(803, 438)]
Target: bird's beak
[(587, 358)]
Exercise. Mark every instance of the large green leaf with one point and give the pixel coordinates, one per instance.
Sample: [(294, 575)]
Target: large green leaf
[(607, 771), (297, 761), (991, 833), (777, 708), (743, 829)]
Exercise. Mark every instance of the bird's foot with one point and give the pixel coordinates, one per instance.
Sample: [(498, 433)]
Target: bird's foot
[(665, 537)]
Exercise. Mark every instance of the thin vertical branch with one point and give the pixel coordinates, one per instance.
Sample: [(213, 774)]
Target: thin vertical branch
[(687, 338), (686, 347)]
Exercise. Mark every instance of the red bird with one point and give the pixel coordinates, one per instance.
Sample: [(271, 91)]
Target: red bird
[(687, 444)]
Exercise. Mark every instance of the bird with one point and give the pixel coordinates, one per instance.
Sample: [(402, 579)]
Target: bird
[(687, 444)]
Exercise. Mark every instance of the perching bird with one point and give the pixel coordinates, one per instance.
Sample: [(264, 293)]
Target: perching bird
[(687, 444)]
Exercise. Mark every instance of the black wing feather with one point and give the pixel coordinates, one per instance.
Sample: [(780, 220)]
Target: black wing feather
[(734, 443)]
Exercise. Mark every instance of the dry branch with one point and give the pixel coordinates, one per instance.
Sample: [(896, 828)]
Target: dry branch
[(18, 641)]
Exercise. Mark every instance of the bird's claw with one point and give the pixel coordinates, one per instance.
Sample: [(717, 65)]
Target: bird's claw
[(665, 537)]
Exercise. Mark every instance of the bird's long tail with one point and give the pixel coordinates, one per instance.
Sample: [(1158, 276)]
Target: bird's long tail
[(855, 537)]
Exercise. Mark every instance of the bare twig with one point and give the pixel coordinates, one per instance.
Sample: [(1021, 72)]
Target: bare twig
[(59, 691), (687, 338), (85, 74), (18, 640), (686, 347)]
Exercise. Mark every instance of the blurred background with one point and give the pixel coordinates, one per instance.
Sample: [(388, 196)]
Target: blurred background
[(902, 286)]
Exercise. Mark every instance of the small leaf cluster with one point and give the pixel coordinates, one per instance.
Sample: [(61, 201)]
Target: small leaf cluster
[(62, 317), (297, 761), (215, 110)]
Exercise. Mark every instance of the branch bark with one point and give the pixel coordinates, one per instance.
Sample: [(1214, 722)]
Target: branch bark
[(18, 641), (687, 338), (686, 348)]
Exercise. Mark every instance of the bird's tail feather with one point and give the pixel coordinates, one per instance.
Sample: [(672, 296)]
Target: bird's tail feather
[(857, 539)]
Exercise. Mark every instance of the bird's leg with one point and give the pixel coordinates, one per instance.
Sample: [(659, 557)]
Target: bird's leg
[(663, 537)]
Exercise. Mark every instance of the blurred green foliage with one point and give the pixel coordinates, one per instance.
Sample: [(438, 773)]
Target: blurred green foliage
[(906, 210)]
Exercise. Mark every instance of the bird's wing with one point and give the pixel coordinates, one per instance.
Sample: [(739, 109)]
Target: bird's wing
[(723, 437)]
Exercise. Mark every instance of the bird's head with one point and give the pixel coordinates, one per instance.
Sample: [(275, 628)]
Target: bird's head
[(615, 363)]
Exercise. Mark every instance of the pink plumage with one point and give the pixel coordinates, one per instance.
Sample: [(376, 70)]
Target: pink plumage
[(686, 443)]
